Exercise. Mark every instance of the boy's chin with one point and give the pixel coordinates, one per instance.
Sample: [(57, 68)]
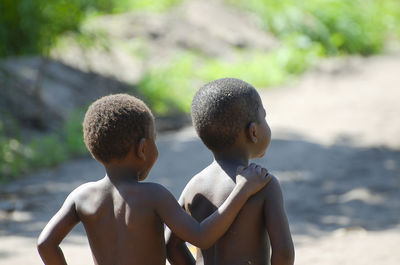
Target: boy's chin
[(259, 156), (143, 177)]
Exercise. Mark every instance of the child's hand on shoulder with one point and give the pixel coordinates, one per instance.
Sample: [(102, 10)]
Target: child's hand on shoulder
[(252, 178)]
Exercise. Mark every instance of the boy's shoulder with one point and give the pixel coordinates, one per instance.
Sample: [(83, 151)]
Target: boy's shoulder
[(150, 192), (96, 194), (98, 190), (207, 176), (210, 180), (85, 190), (271, 193), (88, 192)]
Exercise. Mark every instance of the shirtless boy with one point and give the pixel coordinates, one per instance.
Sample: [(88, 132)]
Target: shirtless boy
[(123, 217), (229, 117)]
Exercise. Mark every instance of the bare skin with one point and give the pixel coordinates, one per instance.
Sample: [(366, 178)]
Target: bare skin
[(261, 224), (124, 218)]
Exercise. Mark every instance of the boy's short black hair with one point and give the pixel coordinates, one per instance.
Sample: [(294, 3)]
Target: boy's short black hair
[(113, 124), (221, 108)]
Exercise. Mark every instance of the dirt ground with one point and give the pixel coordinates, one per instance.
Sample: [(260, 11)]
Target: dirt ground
[(335, 150)]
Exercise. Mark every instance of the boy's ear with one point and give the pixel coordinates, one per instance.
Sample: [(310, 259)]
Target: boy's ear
[(252, 132), (140, 149)]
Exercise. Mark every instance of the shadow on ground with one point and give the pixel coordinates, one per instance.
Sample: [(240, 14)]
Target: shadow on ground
[(338, 186), (325, 187)]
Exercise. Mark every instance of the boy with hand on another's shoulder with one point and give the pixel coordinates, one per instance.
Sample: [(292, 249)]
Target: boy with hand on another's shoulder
[(124, 217)]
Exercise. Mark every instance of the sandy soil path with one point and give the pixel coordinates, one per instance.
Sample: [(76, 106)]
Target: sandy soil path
[(335, 149)]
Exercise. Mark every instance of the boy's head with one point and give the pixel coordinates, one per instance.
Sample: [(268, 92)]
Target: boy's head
[(223, 108), (114, 124)]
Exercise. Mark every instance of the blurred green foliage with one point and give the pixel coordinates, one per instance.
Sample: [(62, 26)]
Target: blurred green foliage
[(340, 26), (13, 155), (307, 30), (147, 5), (171, 88), (72, 133), (263, 70), (33, 26), (18, 157)]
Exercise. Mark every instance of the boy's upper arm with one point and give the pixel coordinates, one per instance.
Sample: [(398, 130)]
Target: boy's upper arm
[(177, 251), (61, 223), (174, 216), (275, 217)]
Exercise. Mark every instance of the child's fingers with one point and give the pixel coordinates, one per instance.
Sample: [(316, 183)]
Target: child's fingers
[(259, 169), (268, 178), (264, 172), (252, 166)]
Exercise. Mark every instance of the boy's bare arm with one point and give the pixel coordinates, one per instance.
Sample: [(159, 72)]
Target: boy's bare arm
[(213, 227), (55, 231), (177, 251), (277, 225)]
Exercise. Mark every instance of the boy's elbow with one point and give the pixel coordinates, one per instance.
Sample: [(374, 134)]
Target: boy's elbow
[(201, 240), (283, 256), (44, 244)]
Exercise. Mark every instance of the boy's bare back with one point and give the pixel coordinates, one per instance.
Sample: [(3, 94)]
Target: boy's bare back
[(247, 240), (121, 221)]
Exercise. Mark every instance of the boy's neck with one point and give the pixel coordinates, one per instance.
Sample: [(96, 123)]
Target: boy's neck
[(230, 161), (121, 174), (233, 157)]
